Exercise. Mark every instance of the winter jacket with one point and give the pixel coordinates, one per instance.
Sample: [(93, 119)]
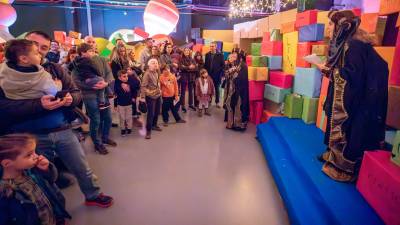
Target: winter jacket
[(17, 209)]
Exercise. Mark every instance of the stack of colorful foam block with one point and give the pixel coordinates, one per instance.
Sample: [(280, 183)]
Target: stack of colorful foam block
[(272, 49), (73, 38), (303, 103), (227, 48), (279, 86), (258, 76)]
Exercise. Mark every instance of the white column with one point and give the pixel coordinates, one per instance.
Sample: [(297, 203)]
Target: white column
[(89, 17)]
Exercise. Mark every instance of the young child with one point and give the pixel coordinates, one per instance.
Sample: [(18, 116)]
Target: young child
[(204, 92), (89, 74), (124, 100), (134, 82), (27, 191), (22, 77), (169, 92)]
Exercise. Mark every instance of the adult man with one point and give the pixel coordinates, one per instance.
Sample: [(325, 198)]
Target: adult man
[(214, 64), (54, 54), (60, 140), (146, 53), (98, 118)]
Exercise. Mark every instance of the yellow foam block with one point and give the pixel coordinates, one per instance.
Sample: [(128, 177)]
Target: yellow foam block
[(290, 41), (227, 46), (220, 35), (101, 43), (252, 73), (262, 74), (322, 17), (387, 53)]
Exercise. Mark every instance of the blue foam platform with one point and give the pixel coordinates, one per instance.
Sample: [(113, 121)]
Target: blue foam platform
[(291, 147)]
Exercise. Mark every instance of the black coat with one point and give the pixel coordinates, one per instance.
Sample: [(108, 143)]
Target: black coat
[(365, 99), (215, 66)]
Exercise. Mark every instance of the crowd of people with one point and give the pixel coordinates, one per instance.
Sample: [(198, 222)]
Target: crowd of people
[(48, 91)]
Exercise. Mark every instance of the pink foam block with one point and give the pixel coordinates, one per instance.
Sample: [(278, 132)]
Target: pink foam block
[(272, 48), (256, 112), (256, 90), (379, 184), (249, 60), (280, 79)]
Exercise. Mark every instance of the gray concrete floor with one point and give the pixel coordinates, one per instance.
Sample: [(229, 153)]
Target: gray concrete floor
[(197, 173)]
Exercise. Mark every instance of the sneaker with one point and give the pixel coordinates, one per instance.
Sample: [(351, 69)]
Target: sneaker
[(123, 133), (156, 128), (101, 200), (114, 124), (101, 149), (128, 131), (110, 142), (207, 112), (192, 108), (200, 112), (181, 121), (218, 106), (165, 124), (103, 106), (184, 110)]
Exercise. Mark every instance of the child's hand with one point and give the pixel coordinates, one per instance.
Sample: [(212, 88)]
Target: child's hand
[(42, 163)]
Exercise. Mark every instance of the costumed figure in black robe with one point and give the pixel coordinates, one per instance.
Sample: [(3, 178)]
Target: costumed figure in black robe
[(356, 104), (236, 97)]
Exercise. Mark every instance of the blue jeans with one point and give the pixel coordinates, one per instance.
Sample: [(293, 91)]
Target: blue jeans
[(66, 146), (98, 118)]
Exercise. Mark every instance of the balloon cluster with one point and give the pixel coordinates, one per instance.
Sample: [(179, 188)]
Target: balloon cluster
[(8, 15)]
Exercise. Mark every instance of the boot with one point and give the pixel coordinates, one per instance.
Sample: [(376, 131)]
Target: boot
[(207, 112), (200, 112)]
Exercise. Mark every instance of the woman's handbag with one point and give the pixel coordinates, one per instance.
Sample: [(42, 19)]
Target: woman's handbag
[(142, 107)]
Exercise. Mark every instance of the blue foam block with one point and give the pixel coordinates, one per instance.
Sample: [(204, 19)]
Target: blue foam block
[(313, 32), (307, 82), (291, 148), (275, 62)]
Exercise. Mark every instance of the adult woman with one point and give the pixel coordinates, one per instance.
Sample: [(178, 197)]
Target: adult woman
[(188, 72), (166, 58), (151, 93), (72, 54), (236, 98), (135, 65), (119, 61), (357, 97)]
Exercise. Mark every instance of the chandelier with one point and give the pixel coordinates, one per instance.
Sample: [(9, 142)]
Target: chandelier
[(247, 8)]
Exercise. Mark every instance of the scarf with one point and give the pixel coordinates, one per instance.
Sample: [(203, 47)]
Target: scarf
[(18, 85), (345, 28)]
